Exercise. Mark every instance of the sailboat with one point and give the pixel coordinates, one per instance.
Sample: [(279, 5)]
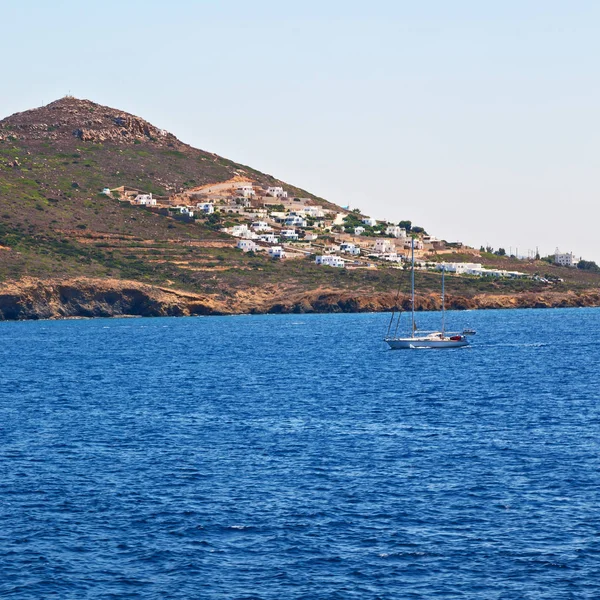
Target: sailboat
[(426, 339)]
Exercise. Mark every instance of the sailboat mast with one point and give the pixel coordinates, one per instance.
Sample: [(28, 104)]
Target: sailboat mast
[(443, 300), (412, 284)]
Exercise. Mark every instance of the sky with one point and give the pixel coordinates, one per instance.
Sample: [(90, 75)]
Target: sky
[(477, 120)]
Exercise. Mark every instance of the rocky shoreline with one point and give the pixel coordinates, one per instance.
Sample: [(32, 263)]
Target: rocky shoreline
[(31, 299)]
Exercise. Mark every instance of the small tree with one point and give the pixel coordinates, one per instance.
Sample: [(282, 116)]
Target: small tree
[(588, 265)]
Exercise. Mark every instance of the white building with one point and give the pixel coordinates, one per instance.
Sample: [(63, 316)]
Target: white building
[(289, 234), (395, 231), (206, 207), (565, 260), (145, 200), (417, 243), (313, 211), (348, 248), (477, 270), (359, 230), (369, 221), (310, 237), (330, 260), (276, 252), (186, 210), (295, 221), (239, 230), (461, 268), (247, 246), (269, 238), (276, 192), (245, 190), (261, 226), (383, 246)]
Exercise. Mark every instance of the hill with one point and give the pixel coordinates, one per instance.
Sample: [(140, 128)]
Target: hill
[(57, 230)]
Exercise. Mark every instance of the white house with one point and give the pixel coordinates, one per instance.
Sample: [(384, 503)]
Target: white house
[(145, 200), (460, 268), (477, 269), (348, 248), (289, 234), (310, 237), (269, 238), (206, 207), (330, 260), (276, 252), (245, 190), (276, 192), (186, 210), (359, 230), (369, 221), (261, 226), (247, 246), (417, 242), (564, 260), (239, 230), (313, 211), (395, 231), (243, 202), (383, 246), (295, 221)]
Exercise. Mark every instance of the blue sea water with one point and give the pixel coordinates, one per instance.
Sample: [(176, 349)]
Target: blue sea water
[(270, 457)]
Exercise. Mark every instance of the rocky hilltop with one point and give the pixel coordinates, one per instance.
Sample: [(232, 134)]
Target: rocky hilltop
[(84, 120), (123, 148)]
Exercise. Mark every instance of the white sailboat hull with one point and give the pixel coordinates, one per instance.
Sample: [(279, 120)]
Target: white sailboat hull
[(426, 342)]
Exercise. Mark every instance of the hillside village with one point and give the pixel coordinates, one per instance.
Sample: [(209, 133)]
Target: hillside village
[(266, 219)]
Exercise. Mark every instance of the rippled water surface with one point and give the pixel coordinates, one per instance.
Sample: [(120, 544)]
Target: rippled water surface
[(280, 457)]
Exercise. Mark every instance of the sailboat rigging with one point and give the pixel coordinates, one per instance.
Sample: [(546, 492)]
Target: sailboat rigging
[(425, 339)]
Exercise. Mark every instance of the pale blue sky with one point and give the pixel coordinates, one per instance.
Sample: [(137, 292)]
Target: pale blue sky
[(477, 120)]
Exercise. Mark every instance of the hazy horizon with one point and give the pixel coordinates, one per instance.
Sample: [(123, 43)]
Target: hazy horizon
[(478, 123)]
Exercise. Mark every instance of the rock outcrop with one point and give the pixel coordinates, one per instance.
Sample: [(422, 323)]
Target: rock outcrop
[(85, 120), (35, 299), (58, 299)]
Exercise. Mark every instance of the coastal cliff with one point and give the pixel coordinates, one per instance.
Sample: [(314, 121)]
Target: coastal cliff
[(86, 298)]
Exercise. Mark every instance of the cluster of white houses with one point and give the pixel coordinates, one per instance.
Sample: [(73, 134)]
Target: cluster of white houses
[(268, 220)]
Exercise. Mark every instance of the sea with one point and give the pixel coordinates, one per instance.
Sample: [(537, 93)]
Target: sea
[(297, 457)]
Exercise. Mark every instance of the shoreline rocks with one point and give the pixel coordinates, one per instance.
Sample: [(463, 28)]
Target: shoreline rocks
[(30, 299)]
